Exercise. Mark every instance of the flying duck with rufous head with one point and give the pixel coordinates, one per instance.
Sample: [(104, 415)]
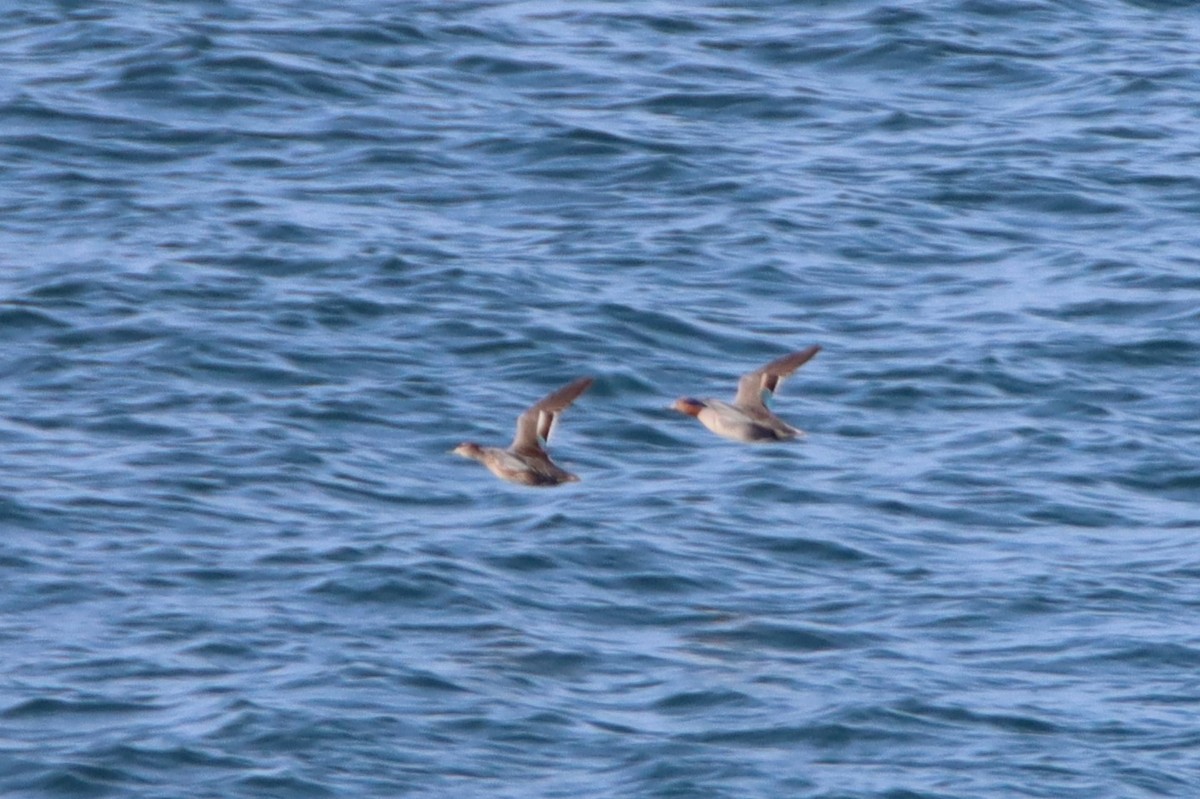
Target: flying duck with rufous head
[(748, 418)]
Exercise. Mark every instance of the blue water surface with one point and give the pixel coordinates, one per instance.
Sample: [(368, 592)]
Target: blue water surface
[(263, 264)]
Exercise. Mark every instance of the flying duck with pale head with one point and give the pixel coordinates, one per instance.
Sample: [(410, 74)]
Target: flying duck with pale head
[(526, 461)]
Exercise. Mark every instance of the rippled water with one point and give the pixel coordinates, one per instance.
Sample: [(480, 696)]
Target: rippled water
[(264, 264)]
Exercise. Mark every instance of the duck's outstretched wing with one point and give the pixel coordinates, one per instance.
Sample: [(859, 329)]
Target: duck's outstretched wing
[(536, 424), (755, 387)]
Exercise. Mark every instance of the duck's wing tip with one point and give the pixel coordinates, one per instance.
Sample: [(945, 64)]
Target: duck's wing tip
[(561, 399), (785, 365)]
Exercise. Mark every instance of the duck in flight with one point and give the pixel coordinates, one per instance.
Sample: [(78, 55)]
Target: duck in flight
[(526, 461), (748, 418)]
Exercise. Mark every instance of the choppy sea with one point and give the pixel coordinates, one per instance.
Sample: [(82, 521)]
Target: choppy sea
[(263, 264)]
